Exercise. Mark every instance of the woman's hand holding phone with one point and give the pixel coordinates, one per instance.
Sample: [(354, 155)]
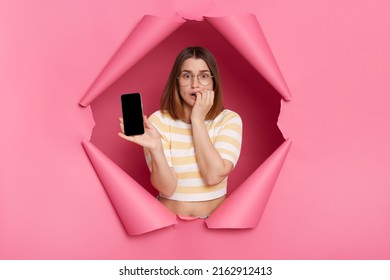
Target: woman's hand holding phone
[(150, 139)]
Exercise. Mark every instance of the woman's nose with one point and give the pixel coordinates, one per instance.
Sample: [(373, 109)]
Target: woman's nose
[(194, 82)]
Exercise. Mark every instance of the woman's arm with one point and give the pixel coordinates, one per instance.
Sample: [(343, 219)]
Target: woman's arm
[(211, 165), (162, 176)]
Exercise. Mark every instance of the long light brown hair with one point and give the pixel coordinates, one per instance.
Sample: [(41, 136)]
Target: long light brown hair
[(171, 101)]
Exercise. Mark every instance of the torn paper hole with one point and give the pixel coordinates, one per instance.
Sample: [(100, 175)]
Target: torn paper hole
[(249, 89)]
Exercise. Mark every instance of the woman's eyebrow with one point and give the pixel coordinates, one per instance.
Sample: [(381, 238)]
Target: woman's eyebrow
[(201, 71)]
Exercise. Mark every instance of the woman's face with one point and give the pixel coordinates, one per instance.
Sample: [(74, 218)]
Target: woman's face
[(193, 70)]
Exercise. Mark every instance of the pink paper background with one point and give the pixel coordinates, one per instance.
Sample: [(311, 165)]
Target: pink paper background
[(331, 200)]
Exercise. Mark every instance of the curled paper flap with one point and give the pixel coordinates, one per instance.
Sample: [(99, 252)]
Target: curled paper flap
[(149, 32), (247, 37), (138, 210), (245, 206)]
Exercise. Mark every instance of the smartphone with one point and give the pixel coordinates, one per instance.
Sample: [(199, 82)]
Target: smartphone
[(132, 114)]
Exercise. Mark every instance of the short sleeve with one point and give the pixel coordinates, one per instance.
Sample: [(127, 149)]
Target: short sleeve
[(229, 138)]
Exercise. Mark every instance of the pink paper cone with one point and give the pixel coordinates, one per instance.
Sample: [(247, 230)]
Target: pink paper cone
[(247, 37), (149, 32), (138, 210), (245, 206)]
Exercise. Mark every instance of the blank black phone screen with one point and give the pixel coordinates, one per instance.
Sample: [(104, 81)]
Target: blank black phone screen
[(132, 114)]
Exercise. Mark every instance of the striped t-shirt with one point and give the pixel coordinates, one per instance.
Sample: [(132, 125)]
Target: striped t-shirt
[(225, 132)]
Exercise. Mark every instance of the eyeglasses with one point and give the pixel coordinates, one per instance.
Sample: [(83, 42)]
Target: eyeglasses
[(186, 78)]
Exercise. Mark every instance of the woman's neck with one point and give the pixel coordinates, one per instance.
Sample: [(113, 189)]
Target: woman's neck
[(187, 114)]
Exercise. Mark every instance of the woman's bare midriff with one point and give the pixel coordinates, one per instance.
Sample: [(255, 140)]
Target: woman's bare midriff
[(192, 209)]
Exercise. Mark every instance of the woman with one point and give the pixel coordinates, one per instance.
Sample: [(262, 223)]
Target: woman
[(192, 143)]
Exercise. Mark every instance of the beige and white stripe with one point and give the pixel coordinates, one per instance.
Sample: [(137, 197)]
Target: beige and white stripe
[(225, 132)]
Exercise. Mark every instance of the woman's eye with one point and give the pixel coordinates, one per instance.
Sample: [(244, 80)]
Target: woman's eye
[(204, 76), (186, 76)]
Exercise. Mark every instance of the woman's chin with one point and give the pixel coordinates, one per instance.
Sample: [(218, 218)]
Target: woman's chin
[(190, 102)]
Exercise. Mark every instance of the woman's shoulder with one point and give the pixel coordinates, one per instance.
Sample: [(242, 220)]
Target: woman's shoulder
[(227, 115), (161, 118), (160, 115), (229, 112)]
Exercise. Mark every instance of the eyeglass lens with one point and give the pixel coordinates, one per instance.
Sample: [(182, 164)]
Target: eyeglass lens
[(187, 78)]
